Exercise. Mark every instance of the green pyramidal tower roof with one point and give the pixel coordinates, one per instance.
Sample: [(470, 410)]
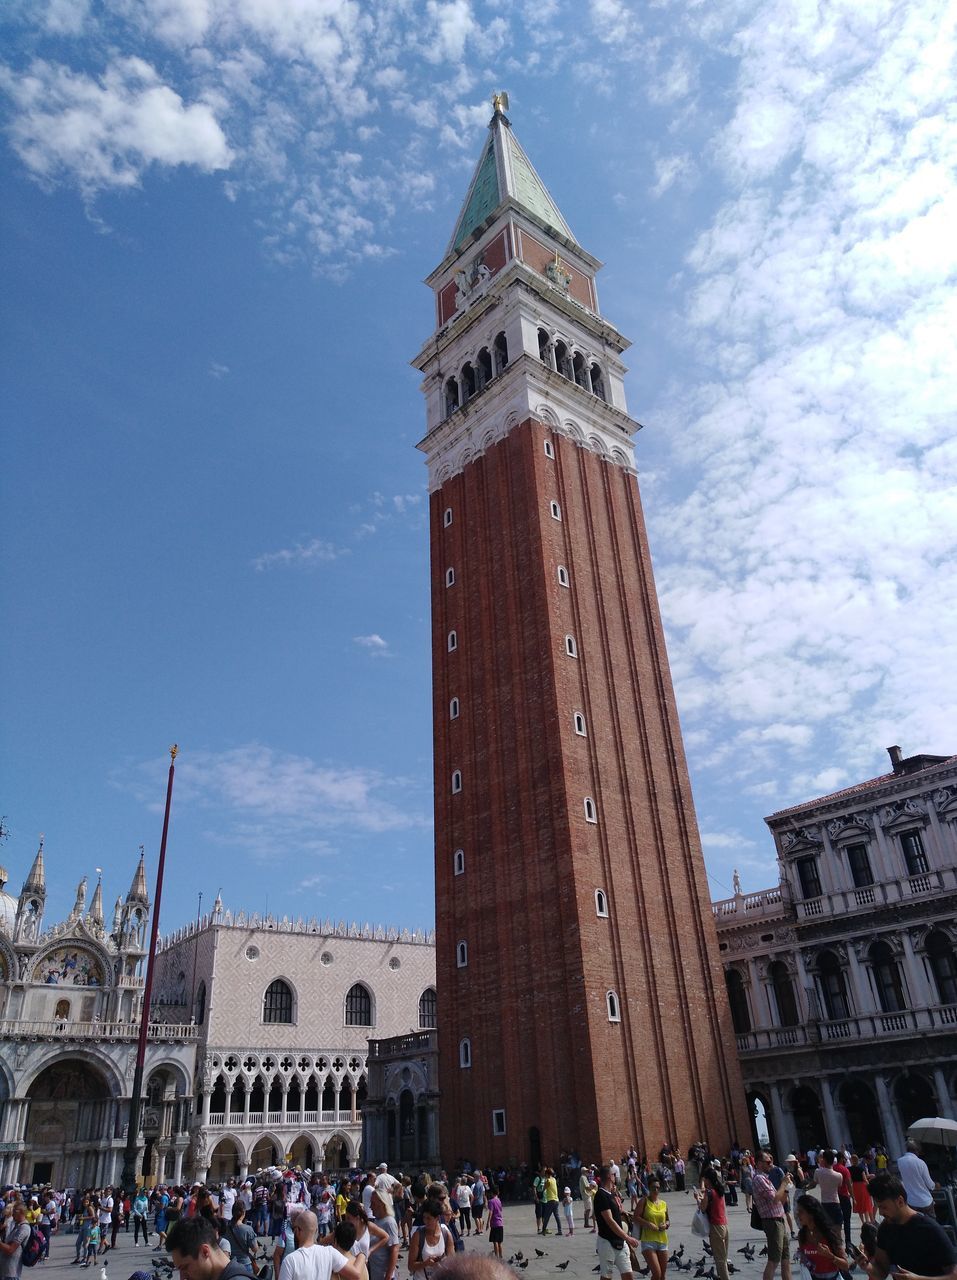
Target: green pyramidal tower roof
[(503, 171)]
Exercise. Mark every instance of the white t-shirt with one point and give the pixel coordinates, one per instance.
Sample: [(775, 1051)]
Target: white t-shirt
[(229, 1199), (463, 1196), (313, 1262), (363, 1244), (367, 1191), (385, 1186), (106, 1211), (918, 1184)]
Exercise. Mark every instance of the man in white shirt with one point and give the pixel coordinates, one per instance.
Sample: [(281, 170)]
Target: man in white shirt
[(228, 1199), (385, 1186), (919, 1186), (312, 1261), (105, 1216), (15, 1236)]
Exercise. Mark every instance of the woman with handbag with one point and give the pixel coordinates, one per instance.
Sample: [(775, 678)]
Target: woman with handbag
[(819, 1241), (710, 1196)]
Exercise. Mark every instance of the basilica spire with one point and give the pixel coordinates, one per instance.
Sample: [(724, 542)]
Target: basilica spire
[(36, 880), (80, 901), (137, 893), (95, 914), (32, 899)]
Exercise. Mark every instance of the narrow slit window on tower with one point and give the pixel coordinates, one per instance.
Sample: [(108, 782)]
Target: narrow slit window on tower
[(456, 781), (453, 641), (465, 1053), (458, 862), (556, 510), (549, 449), (450, 577), (591, 813), (544, 348), (571, 648), (598, 382), (498, 1122), (580, 725), (485, 366), (461, 955), (563, 361), (468, 381), (563, 580), (454, 709), (614, 1008), (601, 903), (451, 396), (580, 370), (500, 348), (447, 518)]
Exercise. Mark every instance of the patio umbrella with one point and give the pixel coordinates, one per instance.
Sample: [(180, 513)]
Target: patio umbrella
[(936, 1129)]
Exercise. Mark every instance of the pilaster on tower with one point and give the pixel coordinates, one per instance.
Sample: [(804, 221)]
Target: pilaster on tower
[(582, 1003)]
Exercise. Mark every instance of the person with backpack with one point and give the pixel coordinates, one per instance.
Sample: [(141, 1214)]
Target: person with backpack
[(16, 1240), (194, 1247)]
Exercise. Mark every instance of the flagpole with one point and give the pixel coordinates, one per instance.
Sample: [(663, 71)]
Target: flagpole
[(129, 1180)]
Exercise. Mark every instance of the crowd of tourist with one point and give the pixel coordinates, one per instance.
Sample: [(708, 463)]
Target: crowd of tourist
[(269, 1225)]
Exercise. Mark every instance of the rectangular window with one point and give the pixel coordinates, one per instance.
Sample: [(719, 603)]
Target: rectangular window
[(860, 865), (498, 1123), (912, 846), (808, 876)]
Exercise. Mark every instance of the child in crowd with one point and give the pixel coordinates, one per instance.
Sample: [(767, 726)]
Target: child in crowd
[(92, 1245), (496, 1220), (568, 1209)]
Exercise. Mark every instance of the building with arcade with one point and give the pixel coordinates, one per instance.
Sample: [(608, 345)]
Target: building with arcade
[(842, 978)]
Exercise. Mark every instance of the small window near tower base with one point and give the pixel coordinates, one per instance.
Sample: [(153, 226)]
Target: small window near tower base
[(456, 781), (549, 449), (580, 725), (614, 1009), (450, 577), (591, 813), (454, 709), (563, 576), (571, 648), (498, 1123), (555, 510), (458, 862), (601, 903), (465, 1053), (453, 642), (447, 518), (461, 955)]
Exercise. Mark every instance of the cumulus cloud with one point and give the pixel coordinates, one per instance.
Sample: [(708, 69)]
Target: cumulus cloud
[(105, 132), (302, 554), (374, 645)]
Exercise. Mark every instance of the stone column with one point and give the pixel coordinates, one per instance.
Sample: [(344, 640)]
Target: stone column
[(338, 1097), (353, 1117), (862, 1001), (893, 1136), (243, 1168), (834, 1135), (945, 1105), (284, 1103), (178, 1165), (920, 995), (804, 985), (228, 1107), (246, 1096), (204, 1098), (759, 1003), (782, 1118)]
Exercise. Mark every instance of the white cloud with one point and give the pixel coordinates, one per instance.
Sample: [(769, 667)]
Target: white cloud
[(374, 645), (106, 132), (217, 370), (307, 554)]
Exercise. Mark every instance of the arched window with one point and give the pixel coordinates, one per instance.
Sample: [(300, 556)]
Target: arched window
[(201, 1004), (500, 347), (549, 449), (458, 862), (556, 510), (783, 989), (738, 1000), (943, 965), (465, 1053), (598, 382), (456, 781), (277, 1002), (453, 642), (451, 396), (887, 978), (601, 903), (358, 1006), (428, 1009), (468, 381), (571, 648), (580, 370), (613, 1007), (454, 709), (833, 990), (545, 348), (591, 813), (450, 577), (461, 954), (580, 725), (485, 366), (563, 361), (447, 518), (562, 576)]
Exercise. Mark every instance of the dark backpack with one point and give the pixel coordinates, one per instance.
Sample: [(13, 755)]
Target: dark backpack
[(33, 1247)]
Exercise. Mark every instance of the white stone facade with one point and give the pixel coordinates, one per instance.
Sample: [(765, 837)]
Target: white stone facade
[(284, 1010), (843, 978)]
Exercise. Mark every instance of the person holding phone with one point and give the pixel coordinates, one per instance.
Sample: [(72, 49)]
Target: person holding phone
[(910, 1245)]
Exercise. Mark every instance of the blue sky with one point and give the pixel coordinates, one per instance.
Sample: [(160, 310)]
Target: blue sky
[(216, 218)]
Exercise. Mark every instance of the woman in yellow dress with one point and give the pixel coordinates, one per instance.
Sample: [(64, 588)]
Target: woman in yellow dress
[(652, 1217)]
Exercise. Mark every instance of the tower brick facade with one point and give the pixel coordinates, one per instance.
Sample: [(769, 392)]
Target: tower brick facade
[(582, 1004)]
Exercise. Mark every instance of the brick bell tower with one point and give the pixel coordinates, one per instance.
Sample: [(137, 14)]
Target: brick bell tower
[(582, 1004)]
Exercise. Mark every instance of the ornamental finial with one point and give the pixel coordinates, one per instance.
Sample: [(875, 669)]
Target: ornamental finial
[(500, 102), (173, 752)]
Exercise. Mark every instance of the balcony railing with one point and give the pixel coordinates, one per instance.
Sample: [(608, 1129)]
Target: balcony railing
[(273, 1119), (415, 1042), (886, 892), (61, 1029), (751, 906), (868, 1026)]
